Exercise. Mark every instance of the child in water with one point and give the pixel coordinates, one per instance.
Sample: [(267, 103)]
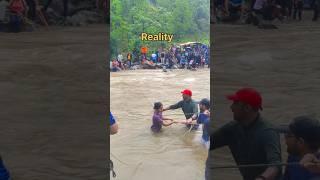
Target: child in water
[(158, 120)]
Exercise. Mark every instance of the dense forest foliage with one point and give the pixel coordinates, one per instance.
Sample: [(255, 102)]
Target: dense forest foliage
[(188, 20)]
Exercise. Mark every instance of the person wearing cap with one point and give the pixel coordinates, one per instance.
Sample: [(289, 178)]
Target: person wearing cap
[(188, 106), (204, 118), (302, 137), (251, 139)]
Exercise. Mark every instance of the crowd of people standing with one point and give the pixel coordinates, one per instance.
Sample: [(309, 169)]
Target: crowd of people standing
[(255, 11), (21, 15), (190, 55)]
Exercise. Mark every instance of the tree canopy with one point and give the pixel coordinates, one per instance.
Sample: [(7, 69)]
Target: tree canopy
[(188, 20)]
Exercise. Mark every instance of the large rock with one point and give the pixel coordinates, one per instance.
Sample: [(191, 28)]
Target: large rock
[(83, 18), (80, 12)]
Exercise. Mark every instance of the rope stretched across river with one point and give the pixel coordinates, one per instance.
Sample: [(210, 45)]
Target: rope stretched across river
[(159, 151), (166, 114), (254, 165)]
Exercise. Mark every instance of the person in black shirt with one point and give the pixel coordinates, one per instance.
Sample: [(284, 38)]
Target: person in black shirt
[(251, 139)]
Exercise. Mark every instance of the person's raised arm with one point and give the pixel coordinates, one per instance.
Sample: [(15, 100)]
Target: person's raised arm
[(222, 136), (175, 106), (167, 123), (169, 119), (195, 110)]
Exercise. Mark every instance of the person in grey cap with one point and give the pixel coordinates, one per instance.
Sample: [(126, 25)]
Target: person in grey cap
[(303, 143), (204, 118)]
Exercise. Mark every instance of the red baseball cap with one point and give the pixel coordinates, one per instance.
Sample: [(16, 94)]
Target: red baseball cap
[(187, 92), (249, 96)]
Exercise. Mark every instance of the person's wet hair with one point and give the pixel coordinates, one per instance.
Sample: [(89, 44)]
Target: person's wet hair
[(308, 129), (157, 105), (205, 102)]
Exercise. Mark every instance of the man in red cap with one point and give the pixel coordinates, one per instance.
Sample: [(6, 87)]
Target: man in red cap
[(251, 139), (188, 106)]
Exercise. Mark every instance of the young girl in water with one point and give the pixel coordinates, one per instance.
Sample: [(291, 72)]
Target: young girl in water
[(158, 120)]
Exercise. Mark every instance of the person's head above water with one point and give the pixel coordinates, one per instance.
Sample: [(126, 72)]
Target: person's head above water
[(204, 104), (246, 104), (158, 106), (302, 135), (186, 94)]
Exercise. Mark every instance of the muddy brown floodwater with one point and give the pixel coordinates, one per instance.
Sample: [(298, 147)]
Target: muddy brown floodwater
[(283, 64), (137, 153), (53, 97)]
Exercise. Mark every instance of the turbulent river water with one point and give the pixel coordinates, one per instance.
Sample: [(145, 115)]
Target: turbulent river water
[(137, 153)]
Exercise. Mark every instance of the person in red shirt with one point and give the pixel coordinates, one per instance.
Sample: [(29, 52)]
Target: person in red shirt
[(18, 7)]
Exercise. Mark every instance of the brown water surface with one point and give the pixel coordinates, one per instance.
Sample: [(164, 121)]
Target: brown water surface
[(137, 153)]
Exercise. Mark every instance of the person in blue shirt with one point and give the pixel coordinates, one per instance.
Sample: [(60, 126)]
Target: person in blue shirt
[(4, 174), (302, 138), (113, 125), (204, 118), (113, 130), (183, 61)]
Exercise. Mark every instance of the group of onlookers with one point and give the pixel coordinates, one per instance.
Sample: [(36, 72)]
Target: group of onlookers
[(189, 56)]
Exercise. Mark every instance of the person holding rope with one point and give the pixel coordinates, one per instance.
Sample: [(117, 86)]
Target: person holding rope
[(311, 162), (302, 137), (251, 139), (158, 120), (188, 106), (204, 118)]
